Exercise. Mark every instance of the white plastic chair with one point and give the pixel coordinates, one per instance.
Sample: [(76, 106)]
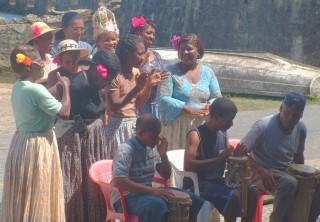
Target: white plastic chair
[(176, 158)]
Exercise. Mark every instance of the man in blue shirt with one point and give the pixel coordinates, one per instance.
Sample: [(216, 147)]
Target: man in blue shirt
[(133, 170)]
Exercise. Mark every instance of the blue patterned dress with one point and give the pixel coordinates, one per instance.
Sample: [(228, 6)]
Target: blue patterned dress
[(152, 105), (177, 92)]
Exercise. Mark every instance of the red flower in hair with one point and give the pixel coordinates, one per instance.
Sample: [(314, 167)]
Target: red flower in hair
[(136, 22), (57, 60), (175, 42), (103, 71), (36, 31)]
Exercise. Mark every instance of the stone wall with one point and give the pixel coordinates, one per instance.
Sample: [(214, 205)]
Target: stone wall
[(289, 28), (13, 33)]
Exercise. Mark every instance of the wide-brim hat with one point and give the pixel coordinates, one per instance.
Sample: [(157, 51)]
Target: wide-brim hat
[(37, 29), (70, 45)]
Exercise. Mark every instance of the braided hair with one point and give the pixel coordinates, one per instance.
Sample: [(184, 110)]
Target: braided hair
[(128, 43), (107, 58)]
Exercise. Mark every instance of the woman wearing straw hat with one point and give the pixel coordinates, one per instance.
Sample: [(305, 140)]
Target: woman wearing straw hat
[(67, 56), (80, 139), (40, 35)]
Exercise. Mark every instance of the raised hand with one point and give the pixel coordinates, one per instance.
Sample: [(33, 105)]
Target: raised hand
[(141, 79), (63, 80), (156, 78), (225, 154), (239, 150), (162, 146)]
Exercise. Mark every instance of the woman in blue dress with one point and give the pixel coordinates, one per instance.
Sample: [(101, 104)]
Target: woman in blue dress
[(187, 94), (146, 29)]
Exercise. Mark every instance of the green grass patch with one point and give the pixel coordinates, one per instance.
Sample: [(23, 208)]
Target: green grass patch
[(248, 102)]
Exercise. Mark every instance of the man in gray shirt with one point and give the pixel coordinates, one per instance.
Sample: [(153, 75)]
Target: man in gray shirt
[(274, 143)]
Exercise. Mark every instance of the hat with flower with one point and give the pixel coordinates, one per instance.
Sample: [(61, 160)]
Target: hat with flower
[(104, 20), (37, 29)]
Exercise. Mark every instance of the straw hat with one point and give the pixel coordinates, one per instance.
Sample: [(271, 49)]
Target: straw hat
[(70, 45), (37, 29)]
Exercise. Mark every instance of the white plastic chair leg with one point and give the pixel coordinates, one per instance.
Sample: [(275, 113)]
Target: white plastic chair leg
[(205, 213)]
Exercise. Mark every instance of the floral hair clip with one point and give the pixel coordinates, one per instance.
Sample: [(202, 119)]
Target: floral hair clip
[(136, 22), (103, 71), (57, 60), (36, 31), (175, 42), (23, 59)]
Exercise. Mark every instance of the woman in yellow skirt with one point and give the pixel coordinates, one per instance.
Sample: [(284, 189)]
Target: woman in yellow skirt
[(33, 180)]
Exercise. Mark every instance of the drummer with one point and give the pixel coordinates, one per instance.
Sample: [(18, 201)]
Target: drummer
[(206, 154), (133, 170), (274, 143)]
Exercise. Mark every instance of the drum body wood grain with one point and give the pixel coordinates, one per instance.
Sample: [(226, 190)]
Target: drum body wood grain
[(179, 206), (237, 176), (308, 178)]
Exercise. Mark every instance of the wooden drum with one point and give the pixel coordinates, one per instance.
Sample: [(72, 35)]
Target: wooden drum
[(308, 179), (179, 206), (237, 176)]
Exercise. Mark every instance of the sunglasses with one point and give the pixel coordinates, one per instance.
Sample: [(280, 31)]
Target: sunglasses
[(77, 29)]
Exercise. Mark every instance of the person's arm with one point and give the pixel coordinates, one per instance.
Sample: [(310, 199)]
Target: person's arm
[(267, 176), (125, 183), (118, 101), (253, 140), (298, 158), (190, 155), (164, 168), (121, 164), (52, 79), (152, 80), (298, 155), (64, 113)]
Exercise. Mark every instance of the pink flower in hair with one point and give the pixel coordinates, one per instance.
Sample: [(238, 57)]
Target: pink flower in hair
[(136, 22), (175, 42), (103, 71), (36, 31), (57, 60)]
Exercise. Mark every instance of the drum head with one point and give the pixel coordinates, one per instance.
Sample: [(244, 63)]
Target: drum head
[(303, 170), (238, 158), (179, 195)]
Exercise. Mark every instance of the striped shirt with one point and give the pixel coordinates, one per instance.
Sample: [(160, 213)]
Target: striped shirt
[(135, 162)]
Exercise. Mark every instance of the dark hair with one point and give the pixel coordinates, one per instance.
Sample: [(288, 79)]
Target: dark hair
[(26, 50), (128, 43), (195, 41), (149, 22), (148, 122), (222, 106), (107, 58), (65, 21)]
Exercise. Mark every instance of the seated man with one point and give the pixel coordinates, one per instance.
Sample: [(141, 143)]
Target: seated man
[(206, 154), (133, 170), (274, 143)]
